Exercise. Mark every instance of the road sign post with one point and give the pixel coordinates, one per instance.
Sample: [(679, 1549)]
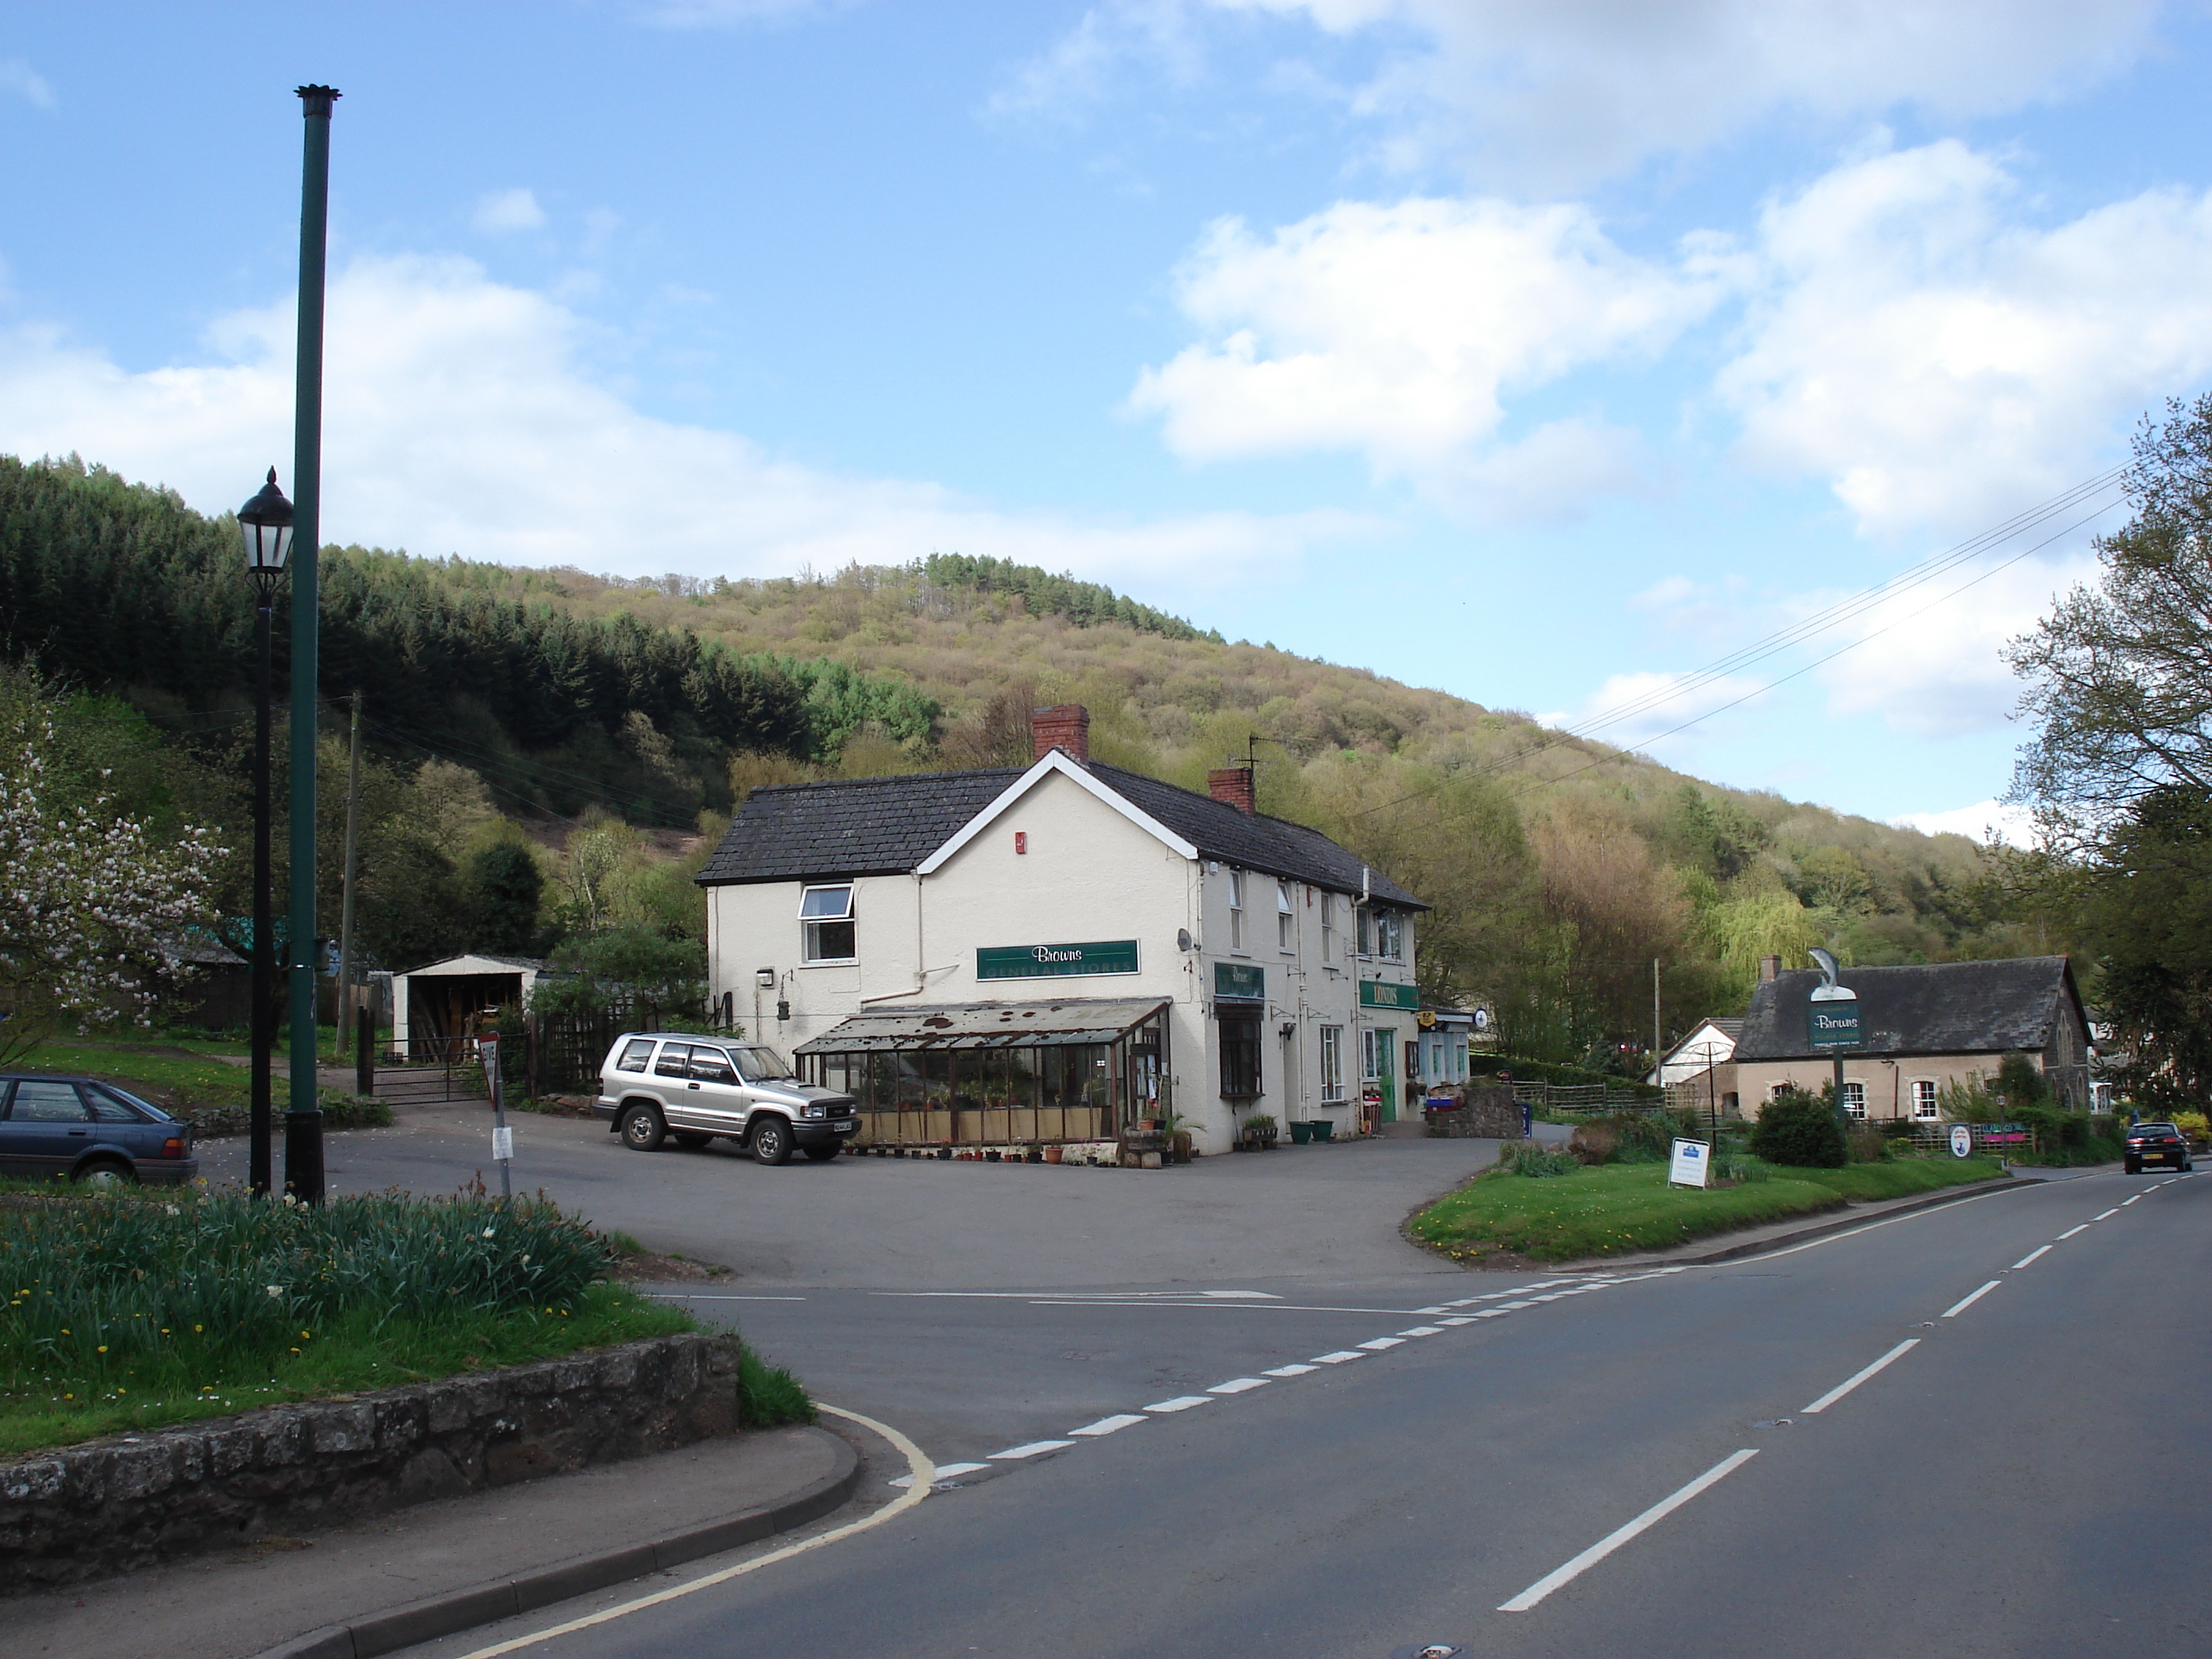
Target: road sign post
[(502, 1138)]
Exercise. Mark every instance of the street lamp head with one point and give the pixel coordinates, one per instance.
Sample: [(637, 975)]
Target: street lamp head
[(265, 525)]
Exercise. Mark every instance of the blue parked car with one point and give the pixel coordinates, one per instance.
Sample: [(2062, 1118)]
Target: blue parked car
[(90, 1131)]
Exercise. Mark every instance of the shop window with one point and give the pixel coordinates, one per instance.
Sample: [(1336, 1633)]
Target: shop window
[(1332, 1060), (825, 914), (1240, 1058), (1923, 1097), (1236, 909), (1286, 916), (1855, 1100), (1374, 1054)]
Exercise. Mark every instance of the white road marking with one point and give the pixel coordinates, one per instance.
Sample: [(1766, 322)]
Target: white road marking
[(2114, 1211), (696, 1296), (2040, 1250), (1431, 1311), (944, 1472), (1181, 1402), (1033, 1449), (1852, 1381), (1838, 1238), (1613, 1540), (2130, 1200), (2071, 1231), (923, 1475), (1107, 1425), (1291, 1370), (1423, 1330), (1377, 1344), (1459, 1319), (1239, 1385), (1957, 1308), (1338, 1357)]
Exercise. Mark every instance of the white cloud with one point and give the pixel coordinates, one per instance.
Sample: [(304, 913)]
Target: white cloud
[(1639, 711), (1554, 92), (1932, 665), (25, 82), (2011, 824), (1398, 330), (502, 210), (458, 419), (1943, 364)]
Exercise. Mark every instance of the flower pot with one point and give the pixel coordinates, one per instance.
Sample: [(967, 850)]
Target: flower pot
[(1322, 1129), (1052, 1155), (1301, 1134), (990, 1157)]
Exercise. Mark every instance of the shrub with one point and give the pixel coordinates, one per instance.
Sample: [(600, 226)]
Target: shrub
[(768, 1395), (1527, 1157), (1798, 1128), (2194, 1125), (1729, 1164), (1865, 1143)]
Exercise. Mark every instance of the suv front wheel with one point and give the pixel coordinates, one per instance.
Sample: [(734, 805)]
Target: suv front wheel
[(771, 1140), (642, 1129)]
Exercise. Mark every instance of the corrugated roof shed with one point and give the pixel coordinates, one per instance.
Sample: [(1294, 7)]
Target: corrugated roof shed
[(1932, 1008)]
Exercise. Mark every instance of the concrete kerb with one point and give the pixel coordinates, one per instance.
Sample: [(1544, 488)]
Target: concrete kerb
[(483, 1604)]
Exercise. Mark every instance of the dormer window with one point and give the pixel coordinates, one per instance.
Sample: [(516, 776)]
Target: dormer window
[(826, 917)]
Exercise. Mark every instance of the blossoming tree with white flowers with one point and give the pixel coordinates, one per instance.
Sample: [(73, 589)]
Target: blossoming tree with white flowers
[(88, 898)]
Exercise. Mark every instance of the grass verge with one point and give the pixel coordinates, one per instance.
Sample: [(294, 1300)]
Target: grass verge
[(207, 1092), (138, 1309), (1617, 1208)]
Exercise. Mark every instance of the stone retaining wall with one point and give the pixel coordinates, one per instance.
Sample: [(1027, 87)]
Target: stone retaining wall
[(1486, 1110), (111, 1506)]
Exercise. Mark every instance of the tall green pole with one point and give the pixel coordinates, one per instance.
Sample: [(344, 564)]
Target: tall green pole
[(303, 1123)]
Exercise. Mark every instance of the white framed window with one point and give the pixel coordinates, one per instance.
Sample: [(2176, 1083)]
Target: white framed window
[(1365, 921), (1327, 928), (1923, 1097), (1236, 909), (1332, 1063), (1775, 1091), (825, 916), (1855, 1100), (1374, 1053), (1390, 935), (1286, 916)]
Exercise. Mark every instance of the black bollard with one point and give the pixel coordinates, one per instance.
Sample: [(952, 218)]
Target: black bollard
[(303, 1156)]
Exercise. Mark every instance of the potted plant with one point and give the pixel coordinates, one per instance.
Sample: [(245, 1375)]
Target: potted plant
[(1301, 1134)]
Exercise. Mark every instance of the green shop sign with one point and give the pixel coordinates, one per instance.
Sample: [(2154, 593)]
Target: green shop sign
[(1374, 994), (1241, 981), (1833, 1023), (1113, 956)]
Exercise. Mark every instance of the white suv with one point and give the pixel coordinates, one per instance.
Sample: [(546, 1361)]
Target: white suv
[(656, 1085)]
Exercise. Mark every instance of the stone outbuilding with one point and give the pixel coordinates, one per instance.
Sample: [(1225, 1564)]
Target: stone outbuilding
[(1923, 1026)]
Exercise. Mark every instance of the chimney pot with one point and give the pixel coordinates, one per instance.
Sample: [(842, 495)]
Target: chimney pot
[(1065, 725), (1232, 784), (1769, 967)]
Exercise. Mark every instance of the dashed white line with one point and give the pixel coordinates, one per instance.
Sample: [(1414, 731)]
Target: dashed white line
[(2071, 1231), (1290, 1371), (1613, 1540), (1376, 1344), (1105, 1425), (1423, 1330), (1239, 1385), (2114, 1211), (944, 1472), (1852, 1381), (1181, 1402), (1459, 1319), (1960, 1307), (1033, 1449), (1338, 1357), (2130, 1200), (2041, 1249)]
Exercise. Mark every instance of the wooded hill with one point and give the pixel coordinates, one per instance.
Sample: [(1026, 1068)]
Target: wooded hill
[(1559, 867)]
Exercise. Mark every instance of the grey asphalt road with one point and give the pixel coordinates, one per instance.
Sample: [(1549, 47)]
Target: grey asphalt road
[(2017, 1481)]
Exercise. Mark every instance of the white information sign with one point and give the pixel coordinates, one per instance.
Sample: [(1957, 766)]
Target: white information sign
[(1962, 1140), (1690, 1165), (502, 1144)]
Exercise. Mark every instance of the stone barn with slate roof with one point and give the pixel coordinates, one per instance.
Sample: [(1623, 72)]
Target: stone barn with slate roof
[(1923, 1026), (1023, 955)]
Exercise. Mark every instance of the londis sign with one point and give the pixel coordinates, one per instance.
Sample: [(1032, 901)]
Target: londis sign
[(1832, 1021)]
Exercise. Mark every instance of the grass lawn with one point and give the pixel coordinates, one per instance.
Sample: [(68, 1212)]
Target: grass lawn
[(189, 1078), (132, 1310), (1617, 1208)]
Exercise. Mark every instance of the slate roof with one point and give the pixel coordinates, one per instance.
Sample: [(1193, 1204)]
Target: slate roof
[(1935, 1008), (886, 826)]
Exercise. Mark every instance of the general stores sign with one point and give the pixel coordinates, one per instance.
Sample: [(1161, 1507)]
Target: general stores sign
[(1832, 1018), (1113, 956)]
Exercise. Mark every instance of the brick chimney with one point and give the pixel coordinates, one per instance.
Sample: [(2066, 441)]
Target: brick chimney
[(1064, 726), (1769, 967), (1232, 784)]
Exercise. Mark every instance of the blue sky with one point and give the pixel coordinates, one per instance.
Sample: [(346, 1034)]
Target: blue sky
[(1544, 352)]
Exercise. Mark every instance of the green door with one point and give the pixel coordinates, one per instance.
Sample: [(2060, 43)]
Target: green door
[(1386, 1072)]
